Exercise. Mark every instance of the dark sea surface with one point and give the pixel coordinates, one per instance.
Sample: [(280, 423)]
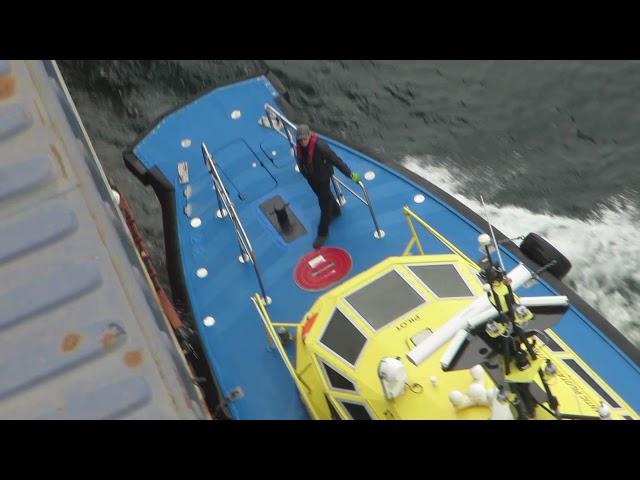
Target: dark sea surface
[(553, 146)]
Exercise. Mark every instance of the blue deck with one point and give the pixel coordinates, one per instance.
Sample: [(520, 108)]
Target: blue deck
[(236, 344)]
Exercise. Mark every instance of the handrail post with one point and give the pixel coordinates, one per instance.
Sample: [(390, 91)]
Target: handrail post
[(367, 201), (413, 232), (338, 190), (289, 136), (244, 256), (270, 119), (221, 213), (272, 112), (267, 299), (379, 233), (441, 239), (271, 344)]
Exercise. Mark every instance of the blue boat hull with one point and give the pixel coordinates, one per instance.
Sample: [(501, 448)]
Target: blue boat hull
[(257, 165)]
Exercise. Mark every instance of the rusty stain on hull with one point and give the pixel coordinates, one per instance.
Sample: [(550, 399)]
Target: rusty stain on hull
[(7, 86), (133, 359), (70, 342)]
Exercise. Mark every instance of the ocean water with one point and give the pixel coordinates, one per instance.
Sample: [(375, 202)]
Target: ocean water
[(552, 146)]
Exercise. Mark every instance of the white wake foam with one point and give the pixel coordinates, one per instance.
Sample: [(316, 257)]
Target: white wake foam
[(605, 253)]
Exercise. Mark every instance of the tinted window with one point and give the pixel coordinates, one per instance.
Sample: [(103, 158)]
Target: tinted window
[(549, 342), (385, 299), (343, 338), (443, 280), (336, 380), (356, 410), (592, 383), (334, 414)]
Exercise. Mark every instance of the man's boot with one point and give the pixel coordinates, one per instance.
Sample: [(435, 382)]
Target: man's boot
[(319, 241)]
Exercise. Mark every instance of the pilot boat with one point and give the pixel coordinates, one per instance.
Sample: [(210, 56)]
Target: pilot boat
[(415, 308)]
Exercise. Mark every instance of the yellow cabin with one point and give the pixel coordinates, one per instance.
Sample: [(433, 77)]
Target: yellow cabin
[(367, 349)]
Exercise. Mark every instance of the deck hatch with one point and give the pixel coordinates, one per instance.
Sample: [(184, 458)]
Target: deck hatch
[(243, 170), (278, 150)]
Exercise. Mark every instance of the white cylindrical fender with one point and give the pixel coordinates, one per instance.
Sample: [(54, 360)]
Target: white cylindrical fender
[(446, 331), (519, 276), (453, 348), (555, 301), (461, 336), (481, 318), (441, 336)]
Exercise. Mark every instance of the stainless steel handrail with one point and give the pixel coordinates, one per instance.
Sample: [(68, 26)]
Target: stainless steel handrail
[(272, 114), (366, 200), (246, 251)]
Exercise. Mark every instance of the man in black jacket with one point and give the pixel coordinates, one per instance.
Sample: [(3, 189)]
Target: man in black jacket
[(315, 162)]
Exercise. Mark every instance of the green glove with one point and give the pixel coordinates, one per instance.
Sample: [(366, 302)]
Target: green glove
[(355, 176)]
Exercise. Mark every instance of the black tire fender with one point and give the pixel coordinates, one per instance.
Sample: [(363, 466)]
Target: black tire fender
[(540, 251)]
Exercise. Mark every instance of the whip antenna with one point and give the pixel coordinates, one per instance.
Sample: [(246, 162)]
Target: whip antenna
[(495, 244)]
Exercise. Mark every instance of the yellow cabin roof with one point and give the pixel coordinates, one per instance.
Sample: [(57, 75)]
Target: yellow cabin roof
[(384, 312)]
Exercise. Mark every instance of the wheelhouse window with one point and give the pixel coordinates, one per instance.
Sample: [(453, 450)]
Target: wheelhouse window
[(332, 409), (443, 280), (336, 380), (343, 338), (355, 410), (385, 299)]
